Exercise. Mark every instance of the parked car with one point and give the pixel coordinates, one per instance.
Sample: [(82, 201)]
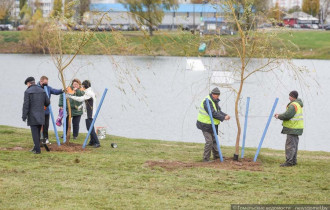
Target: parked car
[(6, 27), (21, 27), (92, 27), (296, 26), (315, 26), (264, 25), (144, 28), (125, 28), (79, 28), (327, 27), (306, 26), (185, 28), (133, 28), (102, 28), (24, 27)]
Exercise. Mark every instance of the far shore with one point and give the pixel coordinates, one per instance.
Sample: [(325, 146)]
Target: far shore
[(307, 44)]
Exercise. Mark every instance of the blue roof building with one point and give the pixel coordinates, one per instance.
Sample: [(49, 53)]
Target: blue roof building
[(188, 15)]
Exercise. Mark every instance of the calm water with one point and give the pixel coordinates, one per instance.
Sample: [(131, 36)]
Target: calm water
[(156, 98)]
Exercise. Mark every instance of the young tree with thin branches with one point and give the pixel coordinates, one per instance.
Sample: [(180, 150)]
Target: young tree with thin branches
[(250, 44)]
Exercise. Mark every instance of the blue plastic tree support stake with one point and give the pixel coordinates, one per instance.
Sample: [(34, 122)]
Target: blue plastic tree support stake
[(53, 120), (213, 127), (245, 124), (94, 119), (64, 118), (265, 131)]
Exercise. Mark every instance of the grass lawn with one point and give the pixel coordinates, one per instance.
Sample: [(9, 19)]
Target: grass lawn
[(121, 178), (310, 44)]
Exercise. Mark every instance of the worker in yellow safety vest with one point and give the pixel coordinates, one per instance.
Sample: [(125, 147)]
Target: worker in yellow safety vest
[(293, 126), (204, 123)]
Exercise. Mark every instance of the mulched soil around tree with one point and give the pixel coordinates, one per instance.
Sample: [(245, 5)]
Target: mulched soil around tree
[(71, 147), (227, 164)]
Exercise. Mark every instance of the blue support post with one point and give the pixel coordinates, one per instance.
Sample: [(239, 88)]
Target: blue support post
[(265, 131), (94, 119), (64, 118), (245, 124), (53, 120), (213, 127)]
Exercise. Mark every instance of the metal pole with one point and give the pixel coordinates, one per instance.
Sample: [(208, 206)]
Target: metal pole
[(194, 17), (213, 127), (53, 120), (265, 131), (245, 124), (94, 119), (64, 118)]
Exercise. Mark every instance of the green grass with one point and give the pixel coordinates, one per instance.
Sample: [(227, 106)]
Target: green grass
[(309, 44), (107, 178), (10, 36)]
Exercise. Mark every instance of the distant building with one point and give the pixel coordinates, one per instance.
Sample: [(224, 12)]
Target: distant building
[(299, 18), (46, 7), (188, 15), (288, 4)]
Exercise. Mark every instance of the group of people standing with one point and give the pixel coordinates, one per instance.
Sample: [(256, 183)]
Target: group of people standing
[(293, 125), (36, 112), (36, 108)]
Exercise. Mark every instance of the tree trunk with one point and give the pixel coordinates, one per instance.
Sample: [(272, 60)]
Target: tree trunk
[(242, 58), (150, 31), (68, 107), (68, 133), (238, 136)]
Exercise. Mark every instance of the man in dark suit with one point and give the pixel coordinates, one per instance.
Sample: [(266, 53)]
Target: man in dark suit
[(35, 99)]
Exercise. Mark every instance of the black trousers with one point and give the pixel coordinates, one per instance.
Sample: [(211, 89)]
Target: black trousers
[(46, 126), (93, 139), (75, 124), (35, 130)]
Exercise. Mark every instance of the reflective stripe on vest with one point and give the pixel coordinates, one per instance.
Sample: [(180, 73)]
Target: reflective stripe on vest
[(203, 116), (297, 121)]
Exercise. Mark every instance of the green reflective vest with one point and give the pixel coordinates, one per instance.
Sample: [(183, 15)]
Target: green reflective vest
[(203, 116), (297, 121)]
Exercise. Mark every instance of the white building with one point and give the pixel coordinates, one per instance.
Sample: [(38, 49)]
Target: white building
[(46, 6), (188, 15), (288, 4)]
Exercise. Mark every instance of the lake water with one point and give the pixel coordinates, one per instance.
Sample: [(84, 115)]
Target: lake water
[(157, 98)]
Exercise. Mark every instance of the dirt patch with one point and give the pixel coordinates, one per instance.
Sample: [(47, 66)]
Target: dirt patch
[(71, 147), (227, 164), (14, 148)]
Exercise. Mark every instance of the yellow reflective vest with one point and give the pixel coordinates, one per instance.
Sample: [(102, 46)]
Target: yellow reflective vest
[(203, 116), (297, 121)]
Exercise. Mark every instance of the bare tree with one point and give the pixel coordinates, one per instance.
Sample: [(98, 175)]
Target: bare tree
[(250, 44), (57, 43)]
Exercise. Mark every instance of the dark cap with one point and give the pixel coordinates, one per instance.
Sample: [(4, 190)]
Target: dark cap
[(29, 79), (216, 91), (294, 94)]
